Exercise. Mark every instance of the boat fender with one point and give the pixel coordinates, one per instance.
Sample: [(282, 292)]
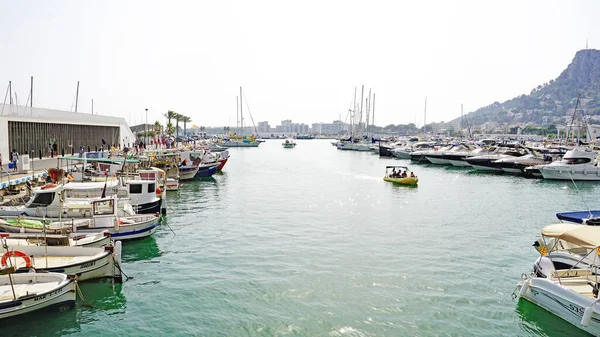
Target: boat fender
[(15, 253), (524, 288), (117, 252), (587, 315)]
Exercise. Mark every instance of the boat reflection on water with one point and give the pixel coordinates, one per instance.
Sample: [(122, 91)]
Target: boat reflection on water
[(140, 250), (45, 322), (538, 321), (103, 295)]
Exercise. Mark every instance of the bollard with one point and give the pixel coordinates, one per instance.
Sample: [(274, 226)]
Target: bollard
[(40, 154), (72, 151), (89, 149), (62, 151), (96, 148)]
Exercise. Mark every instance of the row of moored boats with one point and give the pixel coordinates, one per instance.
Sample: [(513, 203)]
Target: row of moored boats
[(70, 229)]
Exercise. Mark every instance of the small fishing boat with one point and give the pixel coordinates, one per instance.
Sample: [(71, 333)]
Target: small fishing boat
[(223, 157), (104, 217), (85, 263), (99, 239), (171, 184), (27, 292), (403, 178), (206, 170), (289, 144)]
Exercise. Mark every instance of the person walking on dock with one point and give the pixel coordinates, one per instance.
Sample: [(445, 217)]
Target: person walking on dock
[(15, 160)]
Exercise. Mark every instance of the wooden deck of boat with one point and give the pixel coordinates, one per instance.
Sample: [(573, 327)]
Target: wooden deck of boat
[(21, 290)]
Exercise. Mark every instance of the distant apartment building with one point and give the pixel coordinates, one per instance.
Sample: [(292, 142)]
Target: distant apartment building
[(335, 128), (264, 127)]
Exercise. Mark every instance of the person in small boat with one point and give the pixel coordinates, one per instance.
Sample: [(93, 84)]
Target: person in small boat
[(404, 175), (412, 174), (393, 175)]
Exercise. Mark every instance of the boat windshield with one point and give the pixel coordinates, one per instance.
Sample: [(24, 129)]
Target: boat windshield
[(42, 200), (574, 161)]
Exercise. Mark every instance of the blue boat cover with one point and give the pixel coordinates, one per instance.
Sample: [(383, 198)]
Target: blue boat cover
[(578, 217)]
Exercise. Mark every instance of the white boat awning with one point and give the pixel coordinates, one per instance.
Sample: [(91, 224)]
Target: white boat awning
[(581, 235)]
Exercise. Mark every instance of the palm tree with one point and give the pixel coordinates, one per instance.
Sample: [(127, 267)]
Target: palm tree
[(170, 115), (157, 126), (185, 120), (178, 117), (170, 129)]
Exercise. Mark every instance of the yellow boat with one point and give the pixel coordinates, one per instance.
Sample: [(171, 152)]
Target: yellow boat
[(403, 181), (391, 176)]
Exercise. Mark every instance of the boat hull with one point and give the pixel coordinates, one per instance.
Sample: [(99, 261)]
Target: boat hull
[(560, 173), (122, 232), (241, 144), (385, 151), (149, 207), (403, 181), (99, 265), (400, 154), (459, 163), (62, 297), (562, 302), (188, 173), (438, 160), (207, 171), (222, 163)]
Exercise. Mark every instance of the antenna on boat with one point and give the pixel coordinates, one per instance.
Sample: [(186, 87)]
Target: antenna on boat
[(582, 199)]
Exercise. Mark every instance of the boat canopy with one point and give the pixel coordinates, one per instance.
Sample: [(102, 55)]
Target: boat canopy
[(90, 185), (578, 217), (584, 236), (102, 160), (397, 166)]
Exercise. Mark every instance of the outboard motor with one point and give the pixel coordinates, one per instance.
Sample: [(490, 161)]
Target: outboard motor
[(543, 267)]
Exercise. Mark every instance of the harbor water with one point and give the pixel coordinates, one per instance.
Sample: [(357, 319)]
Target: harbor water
[(311, 241)]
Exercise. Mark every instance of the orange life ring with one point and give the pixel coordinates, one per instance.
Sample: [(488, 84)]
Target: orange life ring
[(48, 186), (16, 253)]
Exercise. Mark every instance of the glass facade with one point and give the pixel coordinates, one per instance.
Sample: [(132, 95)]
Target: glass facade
[(26, 136)]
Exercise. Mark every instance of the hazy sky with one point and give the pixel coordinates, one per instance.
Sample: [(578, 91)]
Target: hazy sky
[(296, 60)]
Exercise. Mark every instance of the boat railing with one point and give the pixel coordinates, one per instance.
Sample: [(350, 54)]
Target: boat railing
[(4, 173)]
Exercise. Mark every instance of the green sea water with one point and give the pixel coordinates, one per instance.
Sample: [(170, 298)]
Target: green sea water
[(311, 241)]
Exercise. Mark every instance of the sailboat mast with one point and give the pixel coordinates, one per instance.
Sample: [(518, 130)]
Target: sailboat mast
[(10, 91), (241, 110), (237, 113), (362, 95), (368, 112), (373, 110), (425, 117), (353, 113)]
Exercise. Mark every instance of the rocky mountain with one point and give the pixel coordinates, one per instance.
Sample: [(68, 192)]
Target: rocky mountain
[(550, 103)]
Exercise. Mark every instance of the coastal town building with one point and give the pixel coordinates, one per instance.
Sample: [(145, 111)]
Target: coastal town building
[(30, 130)]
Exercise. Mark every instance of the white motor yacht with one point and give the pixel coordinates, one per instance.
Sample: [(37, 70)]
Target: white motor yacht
[(577, 164), (570, 293)]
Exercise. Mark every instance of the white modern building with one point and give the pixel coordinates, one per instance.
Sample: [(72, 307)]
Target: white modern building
[(30, 129)]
